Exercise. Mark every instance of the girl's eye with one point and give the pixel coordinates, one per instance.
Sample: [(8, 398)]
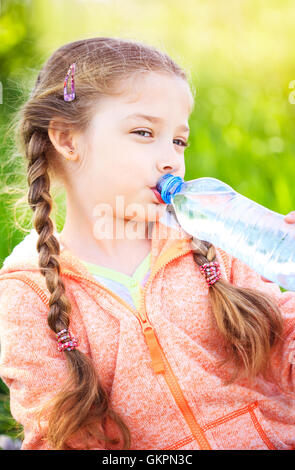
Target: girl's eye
[(136, 132), (183, 143)]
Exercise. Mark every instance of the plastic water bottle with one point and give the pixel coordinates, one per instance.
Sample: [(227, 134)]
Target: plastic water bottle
[(211, 210)]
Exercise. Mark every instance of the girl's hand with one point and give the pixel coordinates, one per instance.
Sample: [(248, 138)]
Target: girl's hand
[(290, 219)]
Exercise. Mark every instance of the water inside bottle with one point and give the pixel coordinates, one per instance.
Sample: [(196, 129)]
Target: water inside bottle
[(256, 235)]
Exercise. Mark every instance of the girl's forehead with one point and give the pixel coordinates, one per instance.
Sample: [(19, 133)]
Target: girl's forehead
[(142, 85), (147, 93)]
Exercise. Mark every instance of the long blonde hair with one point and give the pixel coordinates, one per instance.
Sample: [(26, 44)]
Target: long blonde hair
[(246, 318)]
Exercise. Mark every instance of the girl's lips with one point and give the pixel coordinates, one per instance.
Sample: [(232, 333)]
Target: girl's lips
[(158, 195)]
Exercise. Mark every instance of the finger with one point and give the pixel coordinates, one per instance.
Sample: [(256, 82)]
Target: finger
[(290, 218)]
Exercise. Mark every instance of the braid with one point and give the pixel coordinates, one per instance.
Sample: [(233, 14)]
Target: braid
[(47, 245), (203, 251), (248, 319), (83, 391)]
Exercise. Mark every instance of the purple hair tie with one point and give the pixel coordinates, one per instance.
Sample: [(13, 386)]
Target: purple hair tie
[(70, 96)]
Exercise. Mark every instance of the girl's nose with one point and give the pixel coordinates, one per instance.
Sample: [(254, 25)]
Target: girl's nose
[(171, 163)]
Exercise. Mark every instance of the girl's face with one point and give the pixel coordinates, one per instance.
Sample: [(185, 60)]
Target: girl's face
[(125, 154)]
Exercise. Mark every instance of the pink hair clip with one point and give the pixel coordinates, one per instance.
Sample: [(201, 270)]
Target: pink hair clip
[(211, 271), (70, 96), (65, 335)]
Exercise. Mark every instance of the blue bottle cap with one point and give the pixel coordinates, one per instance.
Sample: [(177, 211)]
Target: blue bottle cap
[(169, 185)]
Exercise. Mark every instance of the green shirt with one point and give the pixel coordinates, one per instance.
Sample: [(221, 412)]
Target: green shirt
[(126, 287)]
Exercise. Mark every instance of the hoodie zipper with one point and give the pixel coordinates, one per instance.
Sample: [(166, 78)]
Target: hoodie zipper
[(170, 377), (160, 363)]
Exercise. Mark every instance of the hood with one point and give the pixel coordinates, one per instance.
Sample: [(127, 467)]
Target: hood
[(165, 234)]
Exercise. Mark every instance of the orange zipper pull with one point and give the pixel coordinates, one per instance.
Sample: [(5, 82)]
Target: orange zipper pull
[(154, 347)]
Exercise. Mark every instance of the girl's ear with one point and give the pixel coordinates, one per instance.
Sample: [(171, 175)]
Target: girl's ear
[(62, 138)]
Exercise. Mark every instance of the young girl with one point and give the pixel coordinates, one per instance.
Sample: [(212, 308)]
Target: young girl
[(123, 341)]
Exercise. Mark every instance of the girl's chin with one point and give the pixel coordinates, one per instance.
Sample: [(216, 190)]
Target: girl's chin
[(156, 211), (150, 213)]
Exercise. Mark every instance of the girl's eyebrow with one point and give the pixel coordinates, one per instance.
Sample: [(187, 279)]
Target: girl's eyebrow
[(153, 119)]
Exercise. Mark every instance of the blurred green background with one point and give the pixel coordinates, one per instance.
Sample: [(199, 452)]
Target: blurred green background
[(240, 56)]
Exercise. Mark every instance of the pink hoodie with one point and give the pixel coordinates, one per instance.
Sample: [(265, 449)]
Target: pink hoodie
[(158, 364)]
